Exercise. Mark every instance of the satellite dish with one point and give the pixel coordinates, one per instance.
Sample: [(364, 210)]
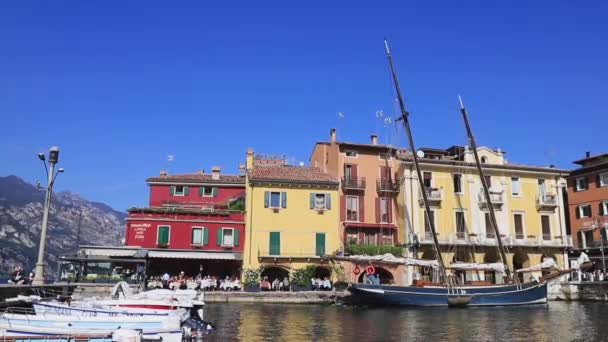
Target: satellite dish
[(420, 153)]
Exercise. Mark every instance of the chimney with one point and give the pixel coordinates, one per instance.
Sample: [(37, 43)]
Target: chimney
[(588, 154), (163, 173), (249, 160), (332, 135), (374, 139), (242, 168), (215, 173)]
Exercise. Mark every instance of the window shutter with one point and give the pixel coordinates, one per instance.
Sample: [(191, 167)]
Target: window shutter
[(389, 210), (205, 236), (601, 209), (235, 237), (327, 201), (342, 208), (214, 191), (201, 191), (283, 200), (220, 235), (361, 207), (186, 190), (378, 218), (320, 244), (275, 243), (312, 200), (266, 199), (353, 171), (163, 235), (172, 190), (578, 212)]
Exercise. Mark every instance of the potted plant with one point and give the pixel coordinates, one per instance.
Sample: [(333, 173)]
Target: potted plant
[(300, 278), (251, 279), (339, 275)]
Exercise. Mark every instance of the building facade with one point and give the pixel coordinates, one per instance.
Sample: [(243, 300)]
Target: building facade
[(588, 204), (292, 217), (195, 219), (527, 200)]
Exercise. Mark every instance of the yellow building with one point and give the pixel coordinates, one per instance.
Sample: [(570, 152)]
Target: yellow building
[(528, 203), (292, 217)]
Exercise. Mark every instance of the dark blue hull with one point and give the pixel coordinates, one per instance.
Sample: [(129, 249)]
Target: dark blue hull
[(495, 295)]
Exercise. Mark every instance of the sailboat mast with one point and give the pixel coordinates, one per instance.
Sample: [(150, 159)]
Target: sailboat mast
[(484, 185), (405, 118)]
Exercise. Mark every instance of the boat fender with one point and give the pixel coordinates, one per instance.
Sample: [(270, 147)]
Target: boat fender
[(357, 270), (370, 269)]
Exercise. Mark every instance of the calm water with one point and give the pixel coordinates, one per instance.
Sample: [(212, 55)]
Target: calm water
[(559, 321)]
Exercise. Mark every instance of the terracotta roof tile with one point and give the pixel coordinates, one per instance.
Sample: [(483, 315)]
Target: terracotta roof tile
[(286, 173), (198, 178)]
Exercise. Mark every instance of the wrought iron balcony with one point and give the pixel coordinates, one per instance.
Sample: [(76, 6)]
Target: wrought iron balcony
[(496, 196), (546, 202), (387, 185), (433, 195), (353, 183)]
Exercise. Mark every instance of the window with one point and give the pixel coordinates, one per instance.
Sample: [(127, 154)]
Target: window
[(350, 171), (384, 210), (163, 235), (428, 178), (515, 186), (387, 238), (352, 237), (518, 222), (320, 244), (275, 243), (546, 226), (227, 237), (352, 208), (352, 154), (200, 236), (488, 181), (275, 199), (427, 225), (484, 159), (457, 178), (604, 208), (320, 201), (582, 184), (179, 190), (490, 234), (461, 226), (208, 191), (588, 234), (370, 238), (603, 179), (584, 211)]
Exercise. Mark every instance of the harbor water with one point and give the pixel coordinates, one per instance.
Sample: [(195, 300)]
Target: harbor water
[(559, 321)]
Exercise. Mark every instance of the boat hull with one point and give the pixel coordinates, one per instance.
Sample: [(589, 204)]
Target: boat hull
[(497, 295)]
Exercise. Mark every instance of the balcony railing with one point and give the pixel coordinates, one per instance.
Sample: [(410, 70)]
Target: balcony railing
[(496, 197), (353, 183), (546, 202), (509, 240), (387, 185), (433, 195)]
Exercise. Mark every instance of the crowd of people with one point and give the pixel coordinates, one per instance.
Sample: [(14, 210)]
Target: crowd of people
[(275, 285), (597, 275), (18, 278), (199, 282), (319, 284)]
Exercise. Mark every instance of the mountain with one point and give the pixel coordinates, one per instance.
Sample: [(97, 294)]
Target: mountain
[(21, 207)]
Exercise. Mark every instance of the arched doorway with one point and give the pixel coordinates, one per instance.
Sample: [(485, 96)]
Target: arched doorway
[(490, 257), (463, 255), (385, 276), (275, 272), (322, 272), (520, 260)]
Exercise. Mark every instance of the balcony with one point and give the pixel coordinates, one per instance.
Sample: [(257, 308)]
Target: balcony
[(496, 196), (387, 185), (433, 195), (353, 183), (546, 202), (356, 249), (466, 239), (292, 254)]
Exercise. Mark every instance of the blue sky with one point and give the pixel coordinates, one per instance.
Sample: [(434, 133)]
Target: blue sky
[(119, 87)]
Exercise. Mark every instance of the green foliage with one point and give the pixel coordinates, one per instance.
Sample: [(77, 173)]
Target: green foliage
[(252, 276), (302, 276), (337, 270), (374, 250)]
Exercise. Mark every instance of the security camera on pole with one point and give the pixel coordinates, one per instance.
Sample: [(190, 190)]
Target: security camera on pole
[(51, 176)]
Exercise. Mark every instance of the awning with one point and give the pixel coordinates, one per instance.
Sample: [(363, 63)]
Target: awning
[(194, 255), (110, 252)]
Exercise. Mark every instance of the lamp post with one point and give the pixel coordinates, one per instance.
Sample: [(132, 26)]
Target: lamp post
[(51, 176)]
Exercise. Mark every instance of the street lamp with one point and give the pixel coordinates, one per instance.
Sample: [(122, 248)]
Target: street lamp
[(51, 176)]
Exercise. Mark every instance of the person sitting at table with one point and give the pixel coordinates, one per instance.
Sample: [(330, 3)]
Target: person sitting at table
[(265, 284), (285, 284), (275, 284)]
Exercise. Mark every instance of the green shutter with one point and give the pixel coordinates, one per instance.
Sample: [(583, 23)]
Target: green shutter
[(327, 201), (283, 200), (163, 235), (214, 191), (312, 200), (205, 236), (320, 244), (201, 191), (220, 236), (172, 190), (266, 199), (275, 243), (235, 236), (186, 190)]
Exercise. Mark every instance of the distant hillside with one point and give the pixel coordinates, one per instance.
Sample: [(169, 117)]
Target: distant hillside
[(21, 206)]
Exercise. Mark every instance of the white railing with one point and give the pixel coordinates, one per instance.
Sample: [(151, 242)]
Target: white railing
[(432, 195), (508, 240), (546, 200), (495, 196)]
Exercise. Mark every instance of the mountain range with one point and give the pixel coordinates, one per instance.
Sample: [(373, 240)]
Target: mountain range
[(73, 220)]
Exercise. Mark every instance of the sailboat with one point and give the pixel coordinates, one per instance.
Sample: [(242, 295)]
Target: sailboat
[(449, 293)]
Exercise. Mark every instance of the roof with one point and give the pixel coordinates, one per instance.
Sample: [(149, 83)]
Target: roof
[(292, 174), (517, 167), (603, 156), (197, 178), (590, 169), (360, 145), (201, 255)]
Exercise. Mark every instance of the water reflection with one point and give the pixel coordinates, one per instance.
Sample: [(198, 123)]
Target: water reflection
[(559, 321)]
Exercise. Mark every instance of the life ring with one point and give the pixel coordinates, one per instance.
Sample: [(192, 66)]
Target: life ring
[(357, 270), (370, 269)]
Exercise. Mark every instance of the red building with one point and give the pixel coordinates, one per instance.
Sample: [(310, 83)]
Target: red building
[(193, 221)]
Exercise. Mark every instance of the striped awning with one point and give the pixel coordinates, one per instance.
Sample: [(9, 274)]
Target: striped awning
[(194, 255)]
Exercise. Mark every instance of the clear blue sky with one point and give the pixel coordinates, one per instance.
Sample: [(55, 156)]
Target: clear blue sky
[(119, 87)]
